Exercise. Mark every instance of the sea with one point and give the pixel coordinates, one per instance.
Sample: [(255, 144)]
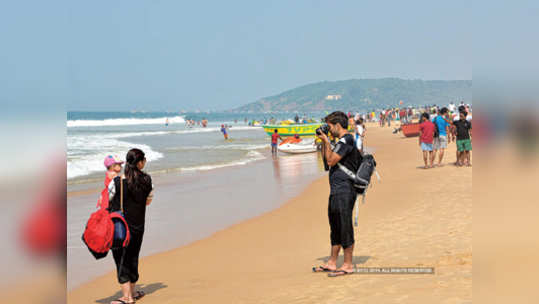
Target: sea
[(169, 143)]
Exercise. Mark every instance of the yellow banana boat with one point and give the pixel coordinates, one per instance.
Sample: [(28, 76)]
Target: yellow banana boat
[(303, 130)]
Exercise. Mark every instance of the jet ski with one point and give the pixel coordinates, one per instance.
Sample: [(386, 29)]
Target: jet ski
[(294, 145)]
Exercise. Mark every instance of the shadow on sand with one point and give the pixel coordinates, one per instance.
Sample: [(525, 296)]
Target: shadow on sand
[(148, 289)]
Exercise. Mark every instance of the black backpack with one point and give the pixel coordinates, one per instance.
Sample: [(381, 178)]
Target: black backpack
[(362, 177)]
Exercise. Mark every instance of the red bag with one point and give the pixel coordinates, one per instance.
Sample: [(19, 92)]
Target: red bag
[(99, 232)]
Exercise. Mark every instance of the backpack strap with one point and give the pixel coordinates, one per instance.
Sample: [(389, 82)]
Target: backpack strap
[(377, 175), (346, 170)]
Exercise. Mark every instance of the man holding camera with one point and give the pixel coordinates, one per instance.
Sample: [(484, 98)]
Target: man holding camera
[(342, 193)]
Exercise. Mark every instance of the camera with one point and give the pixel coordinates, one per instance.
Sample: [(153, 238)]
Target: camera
[(323, 129)]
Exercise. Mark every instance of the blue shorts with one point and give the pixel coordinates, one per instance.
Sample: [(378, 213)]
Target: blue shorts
[(426, 147), (273, 145)]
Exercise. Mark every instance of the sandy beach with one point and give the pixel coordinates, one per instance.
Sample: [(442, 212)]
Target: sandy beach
[(413, 217)]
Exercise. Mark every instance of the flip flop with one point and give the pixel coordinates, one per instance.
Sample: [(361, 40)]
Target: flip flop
[(139, 295), (322, 269), (121, 302), (339, 273)]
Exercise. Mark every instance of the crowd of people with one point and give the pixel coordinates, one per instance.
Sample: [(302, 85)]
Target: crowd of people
[(189, 123), (442, 126), (439, 126)]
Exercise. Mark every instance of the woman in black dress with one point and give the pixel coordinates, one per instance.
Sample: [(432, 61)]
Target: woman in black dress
[(137, 194)]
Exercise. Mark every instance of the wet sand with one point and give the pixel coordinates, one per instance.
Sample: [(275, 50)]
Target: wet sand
[(414, 217)]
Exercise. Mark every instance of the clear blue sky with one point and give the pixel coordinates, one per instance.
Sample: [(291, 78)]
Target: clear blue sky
[(172, 55)]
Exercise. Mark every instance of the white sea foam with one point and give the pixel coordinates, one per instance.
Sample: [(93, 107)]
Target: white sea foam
[(125, 122), (86, 153), (186, 131)]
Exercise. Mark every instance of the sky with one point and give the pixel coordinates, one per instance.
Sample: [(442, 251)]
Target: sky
[(217, 55)]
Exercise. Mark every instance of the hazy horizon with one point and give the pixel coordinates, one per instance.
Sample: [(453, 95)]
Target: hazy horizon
[(205, 110)]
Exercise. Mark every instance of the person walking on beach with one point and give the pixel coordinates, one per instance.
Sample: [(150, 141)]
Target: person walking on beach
[(275, 137), (136, 190), (402, 116), (464, 143), (440, 143), (426, 135), (342, 193)]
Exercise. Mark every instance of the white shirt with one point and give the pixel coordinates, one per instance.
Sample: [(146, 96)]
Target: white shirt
[(359, 130)]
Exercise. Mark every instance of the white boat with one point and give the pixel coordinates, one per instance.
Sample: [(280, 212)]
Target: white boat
[(304, 146)]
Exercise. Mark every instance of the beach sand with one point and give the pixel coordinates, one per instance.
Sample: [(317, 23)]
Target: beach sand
[(413, 217)]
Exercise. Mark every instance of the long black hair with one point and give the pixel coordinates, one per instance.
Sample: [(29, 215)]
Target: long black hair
[(136, 179)]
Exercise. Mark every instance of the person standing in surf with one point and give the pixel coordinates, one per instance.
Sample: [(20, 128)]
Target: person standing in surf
[(225, 134), (137, 190), (275, 137)]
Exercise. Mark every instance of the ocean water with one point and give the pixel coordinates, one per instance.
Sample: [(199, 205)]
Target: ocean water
[(175, 147)]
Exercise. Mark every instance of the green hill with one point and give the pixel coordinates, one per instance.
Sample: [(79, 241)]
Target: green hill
[(363, 94)]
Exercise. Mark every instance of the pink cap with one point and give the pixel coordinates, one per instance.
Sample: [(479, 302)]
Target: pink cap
[(111, 160)]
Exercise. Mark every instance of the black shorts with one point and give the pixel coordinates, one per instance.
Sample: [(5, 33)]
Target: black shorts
[(340, 209), (127, 266)]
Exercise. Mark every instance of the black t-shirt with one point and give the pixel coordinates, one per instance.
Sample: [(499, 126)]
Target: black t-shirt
[(134, 203), (339, 181), (463, 127)]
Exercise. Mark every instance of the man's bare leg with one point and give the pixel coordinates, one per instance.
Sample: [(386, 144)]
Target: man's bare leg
[(440, 156), (468, 158), (348, 255), (347, 267), (461, 158), (432, 156), (425, 158), (332, 262)]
